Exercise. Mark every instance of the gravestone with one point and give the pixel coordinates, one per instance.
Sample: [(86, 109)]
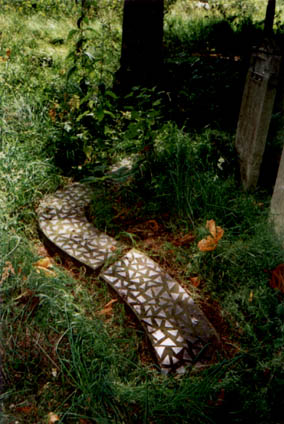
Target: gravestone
[(142, 43), (256, 111), (277, 201)]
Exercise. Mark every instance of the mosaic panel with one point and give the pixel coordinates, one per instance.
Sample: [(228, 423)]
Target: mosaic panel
[(178, 330), (62, 219)]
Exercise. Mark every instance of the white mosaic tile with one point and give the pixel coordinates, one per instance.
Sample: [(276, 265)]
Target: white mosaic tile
[(174, 323), (62, 219)]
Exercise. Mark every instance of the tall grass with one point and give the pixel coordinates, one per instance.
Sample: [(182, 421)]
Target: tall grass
[(59, 353)]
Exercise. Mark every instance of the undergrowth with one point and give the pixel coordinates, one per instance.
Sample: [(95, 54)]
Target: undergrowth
[(62, 119)]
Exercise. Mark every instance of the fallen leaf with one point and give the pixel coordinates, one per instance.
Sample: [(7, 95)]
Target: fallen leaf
[(210, 243), (8, 53), (25, 409), (195, 281), (153, 225), (277, 278), (52, 114), (187, 239), (216, 232), (107, 309), (53, 418), (43, 265), (48, 272), (44, 262)]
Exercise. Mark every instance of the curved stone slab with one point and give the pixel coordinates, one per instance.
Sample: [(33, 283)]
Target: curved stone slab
[(62, 219), (178, 330)]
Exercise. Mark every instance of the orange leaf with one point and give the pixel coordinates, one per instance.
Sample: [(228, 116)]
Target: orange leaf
[(53, 418), (44, 263), (107, 310), (210, 243), (195, 281), (207, 245), (8, 52), (25, 409), (216, 232)]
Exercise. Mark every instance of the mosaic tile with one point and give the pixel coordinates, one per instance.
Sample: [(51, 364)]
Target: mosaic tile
[(62, 219), (177, 328)]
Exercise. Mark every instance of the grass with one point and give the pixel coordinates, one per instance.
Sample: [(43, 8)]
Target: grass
[(59, 353)]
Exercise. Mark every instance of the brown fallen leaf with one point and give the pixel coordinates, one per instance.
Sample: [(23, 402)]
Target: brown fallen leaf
[(277, 278), (152, 223), (187, 239), (210, 243), (25, 409), (53, 418), (43, 265), (43, 262), (52, 114), (107, 309), (195, 281)]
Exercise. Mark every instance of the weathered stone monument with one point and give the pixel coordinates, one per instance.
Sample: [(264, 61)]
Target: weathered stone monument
[(277, 202), (256, 111), (142, 43)]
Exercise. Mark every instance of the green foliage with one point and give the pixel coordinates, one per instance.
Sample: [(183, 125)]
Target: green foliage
[(59, 354)]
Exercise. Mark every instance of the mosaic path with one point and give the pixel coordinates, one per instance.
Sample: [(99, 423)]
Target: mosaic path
[(176, 326), (178, 330), (62, 219)]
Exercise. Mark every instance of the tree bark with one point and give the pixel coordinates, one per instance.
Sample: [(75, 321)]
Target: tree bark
[(142, 42), (269, 18)]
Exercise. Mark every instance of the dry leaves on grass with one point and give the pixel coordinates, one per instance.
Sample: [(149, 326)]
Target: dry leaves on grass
[(107, 309), (210, 243), (44, 265)]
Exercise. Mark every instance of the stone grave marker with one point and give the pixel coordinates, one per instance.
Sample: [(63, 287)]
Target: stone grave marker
[(255, 114), (277, 202)]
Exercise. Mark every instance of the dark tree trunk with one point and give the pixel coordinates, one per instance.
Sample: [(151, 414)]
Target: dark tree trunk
[(269, 18), (142, 42)]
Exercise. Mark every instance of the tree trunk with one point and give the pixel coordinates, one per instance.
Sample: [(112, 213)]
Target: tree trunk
[(269, 18), (142, 42)]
